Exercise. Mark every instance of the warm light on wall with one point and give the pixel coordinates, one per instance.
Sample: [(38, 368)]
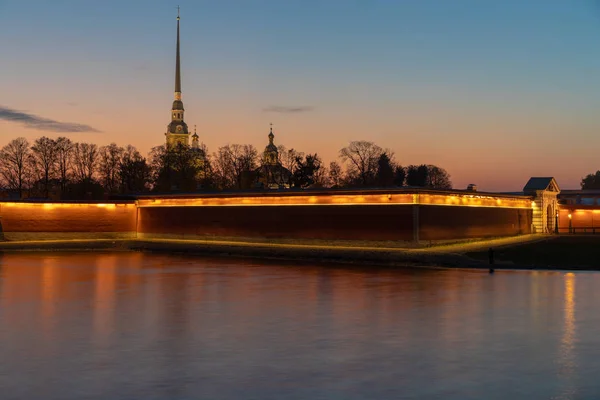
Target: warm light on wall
[(52, 206), (334, 199)]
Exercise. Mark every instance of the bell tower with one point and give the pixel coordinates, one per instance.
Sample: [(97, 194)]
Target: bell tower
[(177, 130)]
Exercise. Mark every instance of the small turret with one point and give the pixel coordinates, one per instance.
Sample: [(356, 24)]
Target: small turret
[(271, 154), (195, 140)]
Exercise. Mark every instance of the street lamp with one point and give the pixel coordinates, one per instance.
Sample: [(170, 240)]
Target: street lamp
[(556, 223), (570, 223)]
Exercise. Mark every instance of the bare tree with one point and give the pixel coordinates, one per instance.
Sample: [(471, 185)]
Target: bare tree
[(287, 159), (64, 150), (84, 160), (362, 161), (109, 161), (438, 178), (321, 177), (44, 161), (14, 165), (336, 177), (234, 166)]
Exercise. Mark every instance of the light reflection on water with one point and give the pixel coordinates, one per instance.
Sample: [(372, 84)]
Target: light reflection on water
[(132, 325)]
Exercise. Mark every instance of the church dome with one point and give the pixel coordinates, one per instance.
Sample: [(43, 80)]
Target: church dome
[(178, 105), (271, 148), (178, 127)]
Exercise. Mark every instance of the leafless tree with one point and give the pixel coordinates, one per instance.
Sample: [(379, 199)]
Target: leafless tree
[(44, 161), (288, 157), (84, 160), (234, 165), (64, 151), (321, 177), (438, 178), (108, 167), (336, 176), (14, 165), (362, 161)]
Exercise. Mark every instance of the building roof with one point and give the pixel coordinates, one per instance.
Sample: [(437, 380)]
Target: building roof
[(541, 183)]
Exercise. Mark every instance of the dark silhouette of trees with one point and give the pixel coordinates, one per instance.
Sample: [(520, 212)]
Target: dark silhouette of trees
[(438, 178), (64, 152), (429, 176), (85, 171), (108, 167), (43, 162), (306, 168), (591, 181), (14, 164), (83, 184), (234, 166), (416, 175), (134, 172), (385, 171), (176, 169), (84, 161), (399, 175), (362, 160), (336, 175)]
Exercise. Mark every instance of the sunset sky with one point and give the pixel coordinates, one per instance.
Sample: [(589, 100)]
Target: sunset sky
[(492, 91)]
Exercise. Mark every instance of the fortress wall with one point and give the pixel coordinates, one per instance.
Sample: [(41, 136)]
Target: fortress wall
[(582, 217), (344, 222), (365, 215), (46, 221), (347, 222), (456, 222)]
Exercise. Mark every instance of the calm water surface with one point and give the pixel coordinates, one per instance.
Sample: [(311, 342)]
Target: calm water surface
[(140, 326)]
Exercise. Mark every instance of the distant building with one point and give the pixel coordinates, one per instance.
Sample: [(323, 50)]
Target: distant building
[(544, 191), (272, 174), (177, 130), (587, 197)]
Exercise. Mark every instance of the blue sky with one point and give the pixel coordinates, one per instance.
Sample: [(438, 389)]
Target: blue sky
[(473, 86)]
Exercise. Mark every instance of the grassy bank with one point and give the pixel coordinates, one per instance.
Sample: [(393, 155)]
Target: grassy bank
[(559, 252), (357, 254), (525, 252)]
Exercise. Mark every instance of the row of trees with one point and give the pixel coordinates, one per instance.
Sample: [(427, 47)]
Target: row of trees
[(65, 169), (591, 181)]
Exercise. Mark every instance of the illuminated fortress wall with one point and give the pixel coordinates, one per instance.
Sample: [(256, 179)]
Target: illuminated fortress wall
[(39, 221), (365, 222), (360, 216), (442, 223)]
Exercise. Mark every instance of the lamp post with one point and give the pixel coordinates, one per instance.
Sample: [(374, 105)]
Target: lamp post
[(570, 223), (556, 223)]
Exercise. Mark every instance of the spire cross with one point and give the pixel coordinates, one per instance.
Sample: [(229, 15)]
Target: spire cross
[(177, 12), (271, 125)]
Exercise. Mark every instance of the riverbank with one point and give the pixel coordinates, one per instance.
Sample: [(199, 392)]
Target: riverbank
[(465, 254), (571, 252)]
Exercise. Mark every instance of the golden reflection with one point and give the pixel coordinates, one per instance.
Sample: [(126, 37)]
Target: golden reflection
[(567, 360), (104, 295), (49, 292)]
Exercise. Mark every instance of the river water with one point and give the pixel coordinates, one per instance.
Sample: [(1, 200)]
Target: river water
[(147, 326)]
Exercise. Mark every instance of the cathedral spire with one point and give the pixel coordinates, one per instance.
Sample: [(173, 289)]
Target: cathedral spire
[(177, 131), (178, 64)]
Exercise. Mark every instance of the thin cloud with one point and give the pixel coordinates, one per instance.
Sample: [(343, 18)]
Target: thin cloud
[(43, 124), (288, 110)]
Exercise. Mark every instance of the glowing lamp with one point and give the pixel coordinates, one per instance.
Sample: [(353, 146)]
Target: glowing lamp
[(570, 216)]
